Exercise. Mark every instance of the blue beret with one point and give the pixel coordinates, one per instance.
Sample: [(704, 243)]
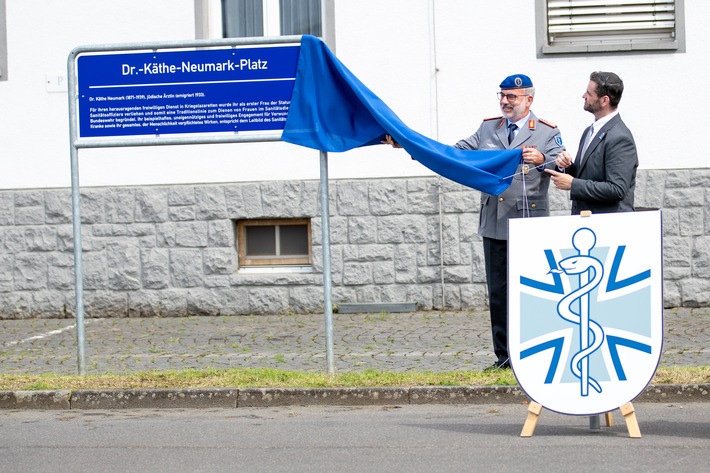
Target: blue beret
[(516, 81)]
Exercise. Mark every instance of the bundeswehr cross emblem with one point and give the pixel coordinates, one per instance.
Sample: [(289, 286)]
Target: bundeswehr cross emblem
[(585, 321)]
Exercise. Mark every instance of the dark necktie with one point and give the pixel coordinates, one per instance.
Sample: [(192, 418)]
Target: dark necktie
[(511, 132)]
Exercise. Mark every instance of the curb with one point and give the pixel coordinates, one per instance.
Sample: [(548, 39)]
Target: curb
[(279, 397)]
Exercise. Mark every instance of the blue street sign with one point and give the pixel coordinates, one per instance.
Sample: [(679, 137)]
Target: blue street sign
[(185, 91)]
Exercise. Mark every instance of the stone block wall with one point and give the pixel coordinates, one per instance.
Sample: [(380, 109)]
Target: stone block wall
[(171, 250)]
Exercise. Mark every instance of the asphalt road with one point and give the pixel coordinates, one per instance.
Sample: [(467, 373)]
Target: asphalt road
[(430, 438)]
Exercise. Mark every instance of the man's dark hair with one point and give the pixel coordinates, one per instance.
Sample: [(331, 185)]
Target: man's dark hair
[(608, 84)]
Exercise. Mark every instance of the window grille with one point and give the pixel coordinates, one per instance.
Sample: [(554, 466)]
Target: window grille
[(611, 25)]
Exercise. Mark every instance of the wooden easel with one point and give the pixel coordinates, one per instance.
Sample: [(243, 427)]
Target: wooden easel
[(627, 410)]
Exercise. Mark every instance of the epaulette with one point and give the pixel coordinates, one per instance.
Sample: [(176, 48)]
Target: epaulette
[(550, 124), (492, 118)]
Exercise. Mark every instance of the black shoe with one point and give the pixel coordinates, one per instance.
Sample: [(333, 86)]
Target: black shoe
[(498, 365)]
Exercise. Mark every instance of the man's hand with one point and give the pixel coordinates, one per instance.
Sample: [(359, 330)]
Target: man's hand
[(390, 141), (533, 156), (561, 180), (564, 160)]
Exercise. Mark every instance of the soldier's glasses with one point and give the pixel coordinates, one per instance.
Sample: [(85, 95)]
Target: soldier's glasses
[(510, 97)]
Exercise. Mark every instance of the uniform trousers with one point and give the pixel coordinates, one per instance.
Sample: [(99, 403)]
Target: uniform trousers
[(496, 261)]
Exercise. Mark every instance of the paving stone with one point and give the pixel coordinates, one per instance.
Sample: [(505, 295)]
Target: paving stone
[(411, 341)]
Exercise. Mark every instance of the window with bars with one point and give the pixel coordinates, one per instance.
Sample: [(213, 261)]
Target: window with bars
[(584, 26), (274, 242)]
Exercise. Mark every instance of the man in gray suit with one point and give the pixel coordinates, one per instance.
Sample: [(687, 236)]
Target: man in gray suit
[(602, 177), (541, 143)]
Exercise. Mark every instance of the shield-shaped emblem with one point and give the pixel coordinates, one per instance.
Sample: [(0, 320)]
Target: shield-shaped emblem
[(585, 321)]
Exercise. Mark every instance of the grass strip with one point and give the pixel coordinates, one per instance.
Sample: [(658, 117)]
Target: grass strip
[(274, 378)]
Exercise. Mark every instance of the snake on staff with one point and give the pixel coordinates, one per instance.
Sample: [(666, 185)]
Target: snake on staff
[(578, 265)]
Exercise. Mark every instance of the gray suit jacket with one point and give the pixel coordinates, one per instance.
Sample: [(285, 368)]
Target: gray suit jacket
[(606, 178), (527, 194)]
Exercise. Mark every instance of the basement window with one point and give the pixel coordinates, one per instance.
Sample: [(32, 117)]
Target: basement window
[(275, 243)]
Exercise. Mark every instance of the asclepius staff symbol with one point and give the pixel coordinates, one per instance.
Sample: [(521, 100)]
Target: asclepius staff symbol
[(591, 335)]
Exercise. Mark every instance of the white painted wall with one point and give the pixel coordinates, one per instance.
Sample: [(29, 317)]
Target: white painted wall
[(387, 44)]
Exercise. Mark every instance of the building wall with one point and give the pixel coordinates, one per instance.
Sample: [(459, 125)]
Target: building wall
[(436, 63), (158, 221), (170, 250)]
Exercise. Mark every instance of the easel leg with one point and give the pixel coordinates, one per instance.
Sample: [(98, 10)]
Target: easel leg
[(631, 423), (609, 419), (595, 421), (534, 410)]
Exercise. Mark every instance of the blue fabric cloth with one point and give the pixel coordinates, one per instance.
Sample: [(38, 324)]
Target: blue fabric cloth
[(331, 110)]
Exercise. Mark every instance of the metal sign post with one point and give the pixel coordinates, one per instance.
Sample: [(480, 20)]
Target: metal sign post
[(175, 93), (327, 281)]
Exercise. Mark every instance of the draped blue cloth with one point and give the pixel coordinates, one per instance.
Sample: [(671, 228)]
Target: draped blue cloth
[(331, 110)]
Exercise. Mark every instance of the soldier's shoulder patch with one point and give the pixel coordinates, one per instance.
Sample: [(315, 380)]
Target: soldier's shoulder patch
[(548, 123), (492, 118)]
